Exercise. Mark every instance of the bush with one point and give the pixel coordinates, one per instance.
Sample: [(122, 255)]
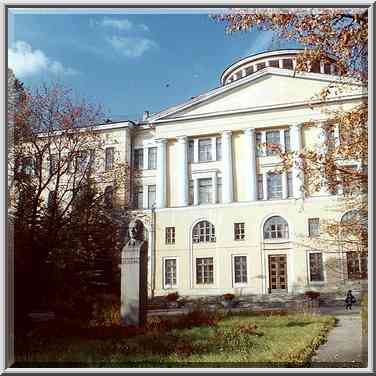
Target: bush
[(312, 295), (228, 296), (172, 297), (106, 312)]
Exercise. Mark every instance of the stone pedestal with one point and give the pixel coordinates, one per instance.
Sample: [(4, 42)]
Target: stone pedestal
[(134, 259)]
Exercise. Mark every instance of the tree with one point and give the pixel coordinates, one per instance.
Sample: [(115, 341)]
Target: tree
[(68, 215), (328, 35)]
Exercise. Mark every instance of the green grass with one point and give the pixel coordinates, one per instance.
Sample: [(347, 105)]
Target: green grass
[(241, 340)]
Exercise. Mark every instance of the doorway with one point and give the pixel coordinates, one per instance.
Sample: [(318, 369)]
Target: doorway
[(277, 273)]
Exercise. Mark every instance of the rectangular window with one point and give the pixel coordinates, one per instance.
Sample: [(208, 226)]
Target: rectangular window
[(151, 195), (205, 189), (191, 151), (357, 267), (287, 64), (290, 192), (138, 197), (316, 271), (240, 269), (219, 148), (110, 152), (204, 148), (249, 70), (152, 158), (259, 146), (274, 183), (260, 187), (272, 140), (260, 66), (28, 166), (274, 63), (190, 193), (287, 140), (219, 190), (138, 162), (170, 272), (239, 231), (326, 68), (170, 235), (204, 270), (313, 227)]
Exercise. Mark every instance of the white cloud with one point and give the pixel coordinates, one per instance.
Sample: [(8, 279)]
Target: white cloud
[(263, 41), (120, 24), (131, 46), (26, 62)]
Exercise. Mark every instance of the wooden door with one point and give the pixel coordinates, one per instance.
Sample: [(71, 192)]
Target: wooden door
[(277, 273)]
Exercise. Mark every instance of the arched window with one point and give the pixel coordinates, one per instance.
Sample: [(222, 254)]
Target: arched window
[(276, 228), (354, 223), (203, 232)]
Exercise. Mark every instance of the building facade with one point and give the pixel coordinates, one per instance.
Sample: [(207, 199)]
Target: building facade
[(221, 215)]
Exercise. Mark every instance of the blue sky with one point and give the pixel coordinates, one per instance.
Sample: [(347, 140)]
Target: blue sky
[(127, 61)]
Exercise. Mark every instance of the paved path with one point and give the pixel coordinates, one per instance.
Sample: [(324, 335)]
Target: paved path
[(346, 346)]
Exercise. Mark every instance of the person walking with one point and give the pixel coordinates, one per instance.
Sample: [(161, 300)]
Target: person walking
[(350, 300)]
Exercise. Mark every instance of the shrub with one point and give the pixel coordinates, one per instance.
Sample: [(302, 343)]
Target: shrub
[(172, 297), (312, 295), (106, 312)]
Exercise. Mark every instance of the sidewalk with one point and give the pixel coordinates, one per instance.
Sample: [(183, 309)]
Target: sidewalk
[(346, 346)]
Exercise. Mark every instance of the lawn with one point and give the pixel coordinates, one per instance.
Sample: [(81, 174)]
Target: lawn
[(245, 340)]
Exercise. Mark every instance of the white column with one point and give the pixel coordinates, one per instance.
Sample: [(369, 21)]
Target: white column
[(161, 173), (267, 64), (296, 146), (145, 194), (250, 169), (265, 185), (195, 191), (195, 150), (227, 178), (284, 185), (263, 143), (244, 73), (280, 61), (282, 140), (322, 68), (182, 182), (322, 149), (293, 64), (332, 69), (146, 158), (214, 187), (214, 148)]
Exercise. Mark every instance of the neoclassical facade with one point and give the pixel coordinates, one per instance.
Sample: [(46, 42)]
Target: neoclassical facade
[(226, 219)]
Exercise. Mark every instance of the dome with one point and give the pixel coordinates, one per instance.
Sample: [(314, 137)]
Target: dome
[(283, 59)]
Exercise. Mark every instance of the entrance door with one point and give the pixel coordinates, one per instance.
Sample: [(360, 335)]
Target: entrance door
[(277, 273)]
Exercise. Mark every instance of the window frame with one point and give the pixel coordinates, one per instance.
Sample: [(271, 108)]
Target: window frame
[(205, 191), (321, 281), (152, 163), (150, 205), (284, 231), (359, 274), (205, 149), (311, 222), (273, 190), (209, 236), (202, 273), (139, 190), (239, 231), (139, 152), (109, 162), (167, 286), (234, 283), (170, 235), (273, 135)]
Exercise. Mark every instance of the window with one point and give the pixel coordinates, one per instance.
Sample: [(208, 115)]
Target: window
[(239, 75), (276, 228), (239, 231), (259, 146), (138, 159), (204, 271), (272, 140), (316, 271), (205, 189), (191, 147), (138, 197), (327, 68), (170, 235), (203, 232), (260, 187), (218, 145), (109, 197), (204, 148), (313, 227), (274, 63), (287, 64), (290, 192), (170, 272), (274, 184), (286, 134), (219, 189), (83, 161), (110, 152), (53, 163), (152, 158), (357, 267), (260, 66), (249, 70), (190, 192), (151, 195), (28, 167), (240, 270)]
